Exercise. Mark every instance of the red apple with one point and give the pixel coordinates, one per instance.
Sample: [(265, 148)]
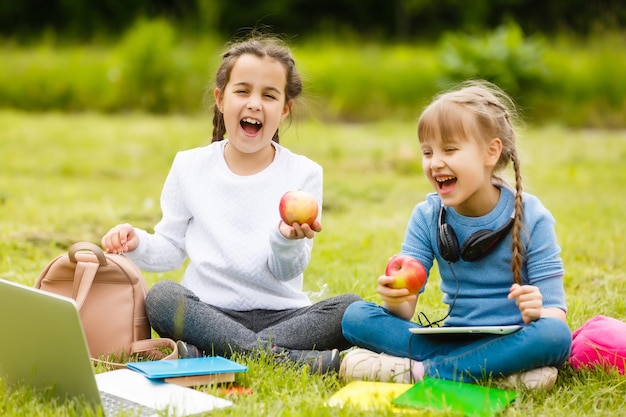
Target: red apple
[(298, 207), (408, 273)]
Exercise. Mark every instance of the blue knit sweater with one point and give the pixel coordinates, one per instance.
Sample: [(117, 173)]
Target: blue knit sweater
[(485, 283)]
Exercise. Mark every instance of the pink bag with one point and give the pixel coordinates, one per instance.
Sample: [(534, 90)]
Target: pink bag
[(601, 341)]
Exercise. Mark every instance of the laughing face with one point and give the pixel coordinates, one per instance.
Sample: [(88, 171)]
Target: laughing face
[(460, 172), (253, 103)]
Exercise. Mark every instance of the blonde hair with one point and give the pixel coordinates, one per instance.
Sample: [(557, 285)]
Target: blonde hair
[(481, 110)]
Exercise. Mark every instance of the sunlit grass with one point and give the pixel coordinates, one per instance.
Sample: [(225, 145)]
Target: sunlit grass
[(65, 178)]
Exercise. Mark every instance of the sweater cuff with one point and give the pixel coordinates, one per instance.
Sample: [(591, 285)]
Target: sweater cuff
[(288, 257), (282, 246), (141, 248)]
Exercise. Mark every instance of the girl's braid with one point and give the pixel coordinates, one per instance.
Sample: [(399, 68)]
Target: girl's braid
[(518, 244), (218, 125)]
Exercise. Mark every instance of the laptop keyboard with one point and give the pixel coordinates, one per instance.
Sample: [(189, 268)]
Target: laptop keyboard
[(113, 405)]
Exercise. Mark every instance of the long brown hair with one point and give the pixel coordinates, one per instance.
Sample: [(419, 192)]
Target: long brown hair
[(483, 110), (260, 46)]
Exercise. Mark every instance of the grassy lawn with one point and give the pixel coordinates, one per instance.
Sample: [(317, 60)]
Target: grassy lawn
[(65, 178)]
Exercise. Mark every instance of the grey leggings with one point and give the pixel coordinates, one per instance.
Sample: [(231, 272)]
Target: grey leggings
[(176, 312)]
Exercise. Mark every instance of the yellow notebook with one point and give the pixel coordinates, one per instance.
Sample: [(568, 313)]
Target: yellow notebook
[(430, 394), (367, 395)]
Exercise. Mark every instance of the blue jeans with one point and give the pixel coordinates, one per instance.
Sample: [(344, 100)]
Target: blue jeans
[(545, 342)]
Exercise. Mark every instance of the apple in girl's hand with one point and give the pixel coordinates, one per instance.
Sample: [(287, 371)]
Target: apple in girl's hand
[(298, 207), (408, 272)]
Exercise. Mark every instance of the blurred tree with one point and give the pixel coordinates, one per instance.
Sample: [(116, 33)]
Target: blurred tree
[(395, 19), (67, 18), (505, 57)]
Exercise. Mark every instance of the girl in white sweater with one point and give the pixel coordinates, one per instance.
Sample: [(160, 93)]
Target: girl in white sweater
[(242, 288)]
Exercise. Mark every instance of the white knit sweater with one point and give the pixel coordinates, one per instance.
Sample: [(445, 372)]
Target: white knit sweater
[(227, 225)]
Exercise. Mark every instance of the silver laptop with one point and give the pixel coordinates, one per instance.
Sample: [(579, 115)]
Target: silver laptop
[(44, 347), (507, 329)]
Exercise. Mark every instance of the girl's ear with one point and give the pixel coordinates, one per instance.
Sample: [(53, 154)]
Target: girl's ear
[(494, 149), (286, 110), (218, 99)]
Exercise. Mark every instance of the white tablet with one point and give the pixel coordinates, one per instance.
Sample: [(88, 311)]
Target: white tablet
[(466, 329)]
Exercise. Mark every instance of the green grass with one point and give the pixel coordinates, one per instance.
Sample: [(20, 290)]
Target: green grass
[(65, 178)]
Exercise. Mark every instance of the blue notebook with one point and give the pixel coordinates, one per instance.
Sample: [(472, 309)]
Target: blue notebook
[(208, 365)]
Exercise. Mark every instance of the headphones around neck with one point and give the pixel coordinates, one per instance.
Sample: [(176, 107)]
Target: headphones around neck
[(478, 245)]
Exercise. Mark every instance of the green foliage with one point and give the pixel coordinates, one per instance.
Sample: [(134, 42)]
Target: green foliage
[(504, 57), (70, 177), (148, 72), (46, 77), (587, 88), (367, 82), (155, 69)]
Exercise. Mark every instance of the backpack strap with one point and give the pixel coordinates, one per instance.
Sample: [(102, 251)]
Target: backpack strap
[(92, 247), (83, 279), (149, 349), (85, 272)]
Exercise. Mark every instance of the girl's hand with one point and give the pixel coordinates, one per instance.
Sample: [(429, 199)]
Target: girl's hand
[(529, 301), (121, 238), (391, 296), (398, 301), (299, 231)]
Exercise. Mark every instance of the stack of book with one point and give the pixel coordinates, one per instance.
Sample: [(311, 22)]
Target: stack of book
[(190, 372)]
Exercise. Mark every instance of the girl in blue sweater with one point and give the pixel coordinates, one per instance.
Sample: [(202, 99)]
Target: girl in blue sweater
[(496, 252)]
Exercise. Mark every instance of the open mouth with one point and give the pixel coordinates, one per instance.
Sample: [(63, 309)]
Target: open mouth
[(250, 126), (445, 182)]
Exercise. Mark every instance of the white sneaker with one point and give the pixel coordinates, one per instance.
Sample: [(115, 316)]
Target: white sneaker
[(365, 365), (538, 378)]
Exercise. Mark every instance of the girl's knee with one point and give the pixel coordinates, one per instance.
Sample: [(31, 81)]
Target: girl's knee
[(352, 298), (162, 293), (357, 313), (564, 337), (558, 331), (343, 301), (156, 292), (556, 338)]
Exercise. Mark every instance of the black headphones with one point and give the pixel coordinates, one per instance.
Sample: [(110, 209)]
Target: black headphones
[(478, 245)]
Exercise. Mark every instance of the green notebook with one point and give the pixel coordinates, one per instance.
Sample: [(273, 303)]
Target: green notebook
[(455, 397)]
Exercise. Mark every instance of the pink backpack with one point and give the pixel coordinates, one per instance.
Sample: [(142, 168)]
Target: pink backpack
[(601, 341)]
